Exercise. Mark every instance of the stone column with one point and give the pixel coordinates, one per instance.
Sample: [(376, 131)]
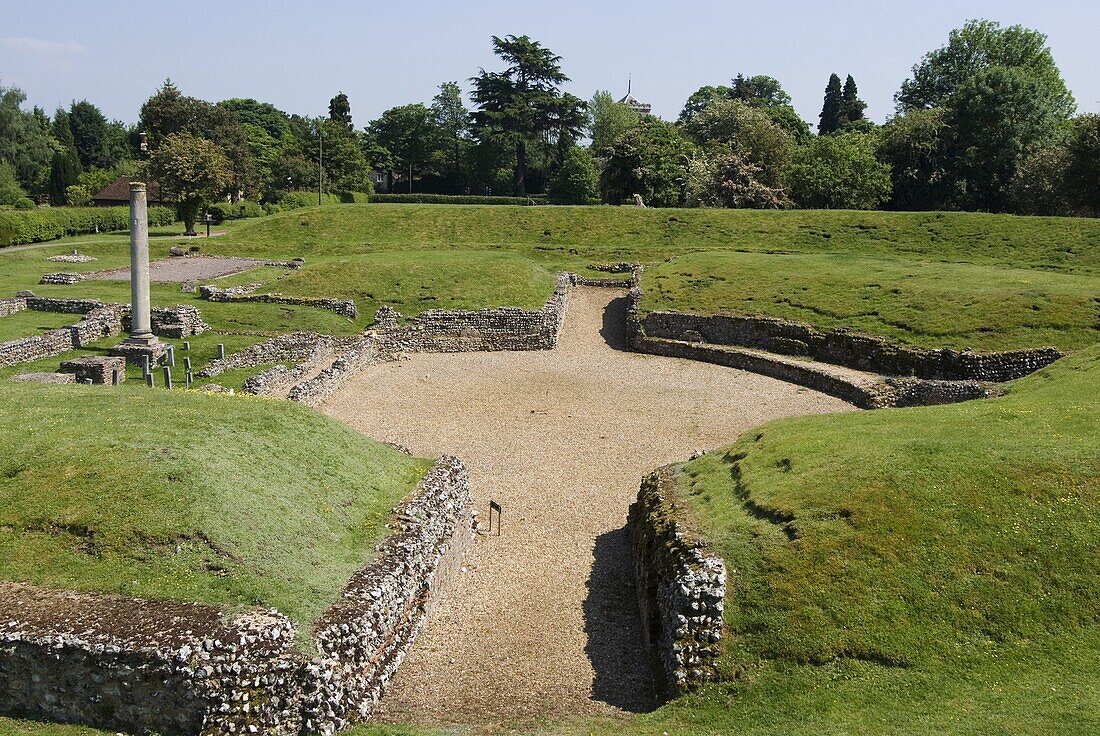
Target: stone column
[(140, 327), (141, 342)]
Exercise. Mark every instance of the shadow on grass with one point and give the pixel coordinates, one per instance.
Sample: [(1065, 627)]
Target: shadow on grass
[(616, 646)]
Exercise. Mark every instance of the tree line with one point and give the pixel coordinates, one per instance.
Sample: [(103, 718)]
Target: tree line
[(983, 123)]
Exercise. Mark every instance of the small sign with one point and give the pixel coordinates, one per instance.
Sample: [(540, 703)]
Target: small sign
[(494, 506)]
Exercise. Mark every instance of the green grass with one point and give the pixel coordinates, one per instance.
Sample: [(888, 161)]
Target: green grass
[(414, 281), (27, 323), (18, 727), (943, 279), (189, 496), (571, 237), (909, 571), (926, 304)]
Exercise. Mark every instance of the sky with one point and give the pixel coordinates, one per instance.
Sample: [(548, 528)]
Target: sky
[(383, 54)]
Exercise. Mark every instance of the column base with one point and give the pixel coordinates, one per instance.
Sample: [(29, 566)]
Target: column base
[(135, 351)]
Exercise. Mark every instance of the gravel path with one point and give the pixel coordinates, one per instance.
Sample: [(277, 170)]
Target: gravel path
[(544, 622), (184, 268)]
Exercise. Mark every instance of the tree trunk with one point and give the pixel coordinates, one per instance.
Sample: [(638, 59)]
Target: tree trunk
[(189, 212), (410, 177), (521, 168)]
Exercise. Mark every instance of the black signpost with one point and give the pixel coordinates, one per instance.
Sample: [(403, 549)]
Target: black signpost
[(494, 506)]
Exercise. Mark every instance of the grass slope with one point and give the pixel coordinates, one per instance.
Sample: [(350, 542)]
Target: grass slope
[(909, 571), (927, 304), (574, 236), (190, 496)]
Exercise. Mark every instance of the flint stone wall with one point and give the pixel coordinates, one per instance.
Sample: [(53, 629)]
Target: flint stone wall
[(862, 352), (65, 306), (462, 330), (358, 356), (175, 322), (62, 279), (188, 669), (885, 391), (99, 369), (99, 321), (681, 587), (9, 307), (96, 325), (343, 307)]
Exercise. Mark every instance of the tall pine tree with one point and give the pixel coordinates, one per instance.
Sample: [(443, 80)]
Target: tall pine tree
[(853, 106), (832, 111)]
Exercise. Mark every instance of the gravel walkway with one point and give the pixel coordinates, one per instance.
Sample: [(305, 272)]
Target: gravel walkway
[(544, 622), (184, 268)]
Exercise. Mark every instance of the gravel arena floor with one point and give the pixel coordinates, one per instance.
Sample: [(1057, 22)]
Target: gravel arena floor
[(544, 622)]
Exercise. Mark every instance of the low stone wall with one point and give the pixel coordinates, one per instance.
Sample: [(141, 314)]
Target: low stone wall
[(65, 306), (9, 307), (175, 322), (363, 639), (97, 324), (869, 391), (180, 668), (363, 353), (461, 330), (61, 279), (343, 307), (96, 368), (841, 347), (127, 664), (99, 321), (681, 587)]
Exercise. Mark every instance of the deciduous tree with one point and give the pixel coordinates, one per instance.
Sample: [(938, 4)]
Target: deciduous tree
[(650, 159), (192, 169), (410, 136), (576, 180), (838, 172)]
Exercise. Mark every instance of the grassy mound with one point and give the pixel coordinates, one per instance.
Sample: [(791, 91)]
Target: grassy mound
[(926, 304), (189, 496), (413, 281), (573, 236), (910, 571)]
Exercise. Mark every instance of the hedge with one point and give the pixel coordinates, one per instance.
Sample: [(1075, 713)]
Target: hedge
[(452, 199), (221, 211), (49, 223)]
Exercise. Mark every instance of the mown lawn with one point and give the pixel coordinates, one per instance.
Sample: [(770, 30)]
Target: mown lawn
[(571, 237), (27, 323), (189, 496), (926, 304), (930, 279)]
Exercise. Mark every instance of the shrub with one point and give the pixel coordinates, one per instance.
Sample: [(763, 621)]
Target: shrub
[(50, 223), (354, 197), (576, 182), (221, 211)]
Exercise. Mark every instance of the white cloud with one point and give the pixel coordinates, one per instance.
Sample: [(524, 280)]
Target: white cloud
[(38, 47), (53, 55)]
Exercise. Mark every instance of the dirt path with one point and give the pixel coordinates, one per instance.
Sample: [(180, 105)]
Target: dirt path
[(544, 622)]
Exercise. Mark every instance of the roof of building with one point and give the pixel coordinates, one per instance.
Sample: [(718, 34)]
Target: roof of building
[(119, 191), (634, 103)]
